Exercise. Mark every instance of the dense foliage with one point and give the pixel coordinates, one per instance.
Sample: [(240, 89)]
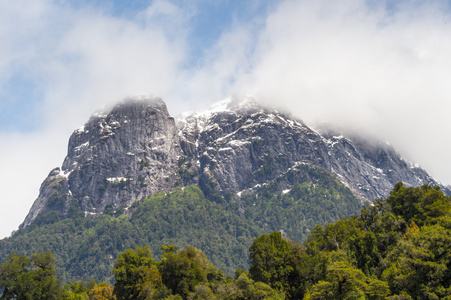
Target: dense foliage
[(397, 248), (22, 278), (86, 248)]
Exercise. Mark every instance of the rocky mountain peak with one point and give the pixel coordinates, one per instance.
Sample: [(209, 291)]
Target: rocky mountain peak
[(137, 149), (115, 159)]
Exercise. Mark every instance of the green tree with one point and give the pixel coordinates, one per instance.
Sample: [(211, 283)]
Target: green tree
[(387, 227), (10, 273), (136, 274), (346, 282), (364, 251), (102, 291), (245, 288), (334, 236), (181, 272), (78, 290), (270, 260), (424, 205), (25, 279), (308, 268), (420, 265)]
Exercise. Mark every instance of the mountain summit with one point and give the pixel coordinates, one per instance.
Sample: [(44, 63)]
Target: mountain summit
[(138, 149)]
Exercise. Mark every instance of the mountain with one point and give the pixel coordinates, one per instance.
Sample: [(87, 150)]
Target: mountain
[(138, 149), (216, 180)]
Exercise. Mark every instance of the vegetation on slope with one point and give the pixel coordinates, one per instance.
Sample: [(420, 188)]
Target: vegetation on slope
[(397, 248), (86, 248), (300, 199)]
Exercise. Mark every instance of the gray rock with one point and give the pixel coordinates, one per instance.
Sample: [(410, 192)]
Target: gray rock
[(52, 196)]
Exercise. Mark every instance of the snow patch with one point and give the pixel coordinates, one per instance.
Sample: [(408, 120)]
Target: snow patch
[(89, 213), (101, 115), (64, 173), (238, 143), (117, 179), (219, 106), (414, 165), (81, 130), (78, 148), (115, 124)]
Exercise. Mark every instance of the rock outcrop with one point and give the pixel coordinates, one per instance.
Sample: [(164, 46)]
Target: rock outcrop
[(115, 159), (138, 149)]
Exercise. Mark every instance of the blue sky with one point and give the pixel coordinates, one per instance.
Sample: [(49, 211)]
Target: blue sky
[(379, 67)]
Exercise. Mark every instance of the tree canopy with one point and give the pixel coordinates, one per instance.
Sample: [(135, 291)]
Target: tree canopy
[(396, 248)]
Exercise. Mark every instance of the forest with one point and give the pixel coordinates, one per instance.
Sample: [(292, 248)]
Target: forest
[(395, 248)]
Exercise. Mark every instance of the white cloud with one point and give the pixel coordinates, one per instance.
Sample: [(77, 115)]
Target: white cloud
[(215, 76), (25, 160), (383, 71), (103, 59), (80, 59)]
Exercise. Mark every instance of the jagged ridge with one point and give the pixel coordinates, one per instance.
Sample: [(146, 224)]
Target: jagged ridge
[(138, 149)]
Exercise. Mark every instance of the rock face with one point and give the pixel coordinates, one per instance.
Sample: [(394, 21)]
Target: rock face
[(239, 143), (138, 149), (115, 159)]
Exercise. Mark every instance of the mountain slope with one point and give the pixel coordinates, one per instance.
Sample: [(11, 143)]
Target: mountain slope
[(86, 248)]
